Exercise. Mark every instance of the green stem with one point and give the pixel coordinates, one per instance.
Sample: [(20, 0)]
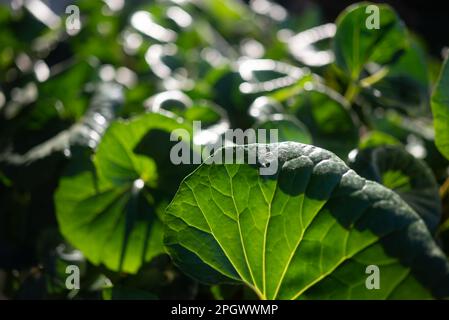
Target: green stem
[(444, 189), (376, 77), (444, 192), (351, 92)]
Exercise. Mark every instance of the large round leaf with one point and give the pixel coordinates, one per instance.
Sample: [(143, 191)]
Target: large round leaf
[(409, 177), (308, 231), (355, 44), (108, 207), (440, 109)]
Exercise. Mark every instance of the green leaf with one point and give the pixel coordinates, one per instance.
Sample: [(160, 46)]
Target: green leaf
[(288, 128), (406, 86), (308, 231), (409, 177), (377, 138), (417, 134), (440, 109), (108, 207), (355, 45), (327, 116)]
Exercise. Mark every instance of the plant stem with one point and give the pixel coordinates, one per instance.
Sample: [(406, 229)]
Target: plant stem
[(351, 92), (444, 189), (376, 77), (353, 88)]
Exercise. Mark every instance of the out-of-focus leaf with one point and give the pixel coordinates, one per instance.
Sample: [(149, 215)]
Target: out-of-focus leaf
[(326, 114), (87, 132), (264, 107), (416, 134), (265, 75), (288, 129), (355, 45), (409, 177), (406, 86), (440, 109), (108, 208), (302, 46), (376, 139)]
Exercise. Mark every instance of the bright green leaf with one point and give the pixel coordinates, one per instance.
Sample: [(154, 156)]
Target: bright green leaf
[(309, 231)]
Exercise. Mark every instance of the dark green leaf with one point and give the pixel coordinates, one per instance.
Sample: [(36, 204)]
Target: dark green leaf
[(328, 118), (409, 177), (355, 45)]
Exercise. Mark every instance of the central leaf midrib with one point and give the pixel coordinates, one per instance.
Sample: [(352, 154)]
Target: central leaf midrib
[(240, 232), (264, 280), (303, 231), (301, 211)]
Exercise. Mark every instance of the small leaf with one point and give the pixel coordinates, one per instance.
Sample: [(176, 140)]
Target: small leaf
[(355, 45)]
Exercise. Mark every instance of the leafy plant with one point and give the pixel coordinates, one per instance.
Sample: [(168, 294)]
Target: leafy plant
[(87, 138)]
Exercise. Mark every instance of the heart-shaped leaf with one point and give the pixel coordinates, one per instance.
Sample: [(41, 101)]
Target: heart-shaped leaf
[(409, 177), (440, 109), (108, 207), (308, 231)]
